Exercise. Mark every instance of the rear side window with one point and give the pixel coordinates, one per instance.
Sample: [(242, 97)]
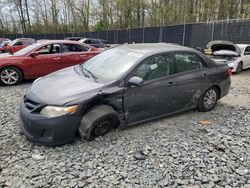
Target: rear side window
[(187, 62), (74, 48), (156, 67)]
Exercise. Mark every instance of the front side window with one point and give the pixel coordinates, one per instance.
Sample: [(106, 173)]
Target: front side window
[(49, 49), (155, 67), (187, 62), (73, 48)]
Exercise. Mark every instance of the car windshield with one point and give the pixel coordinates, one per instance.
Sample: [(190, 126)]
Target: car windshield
[(26, 49), (111, 64)]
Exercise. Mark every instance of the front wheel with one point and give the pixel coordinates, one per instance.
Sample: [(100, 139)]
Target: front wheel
[(10, 76), (97, 122), (208, 100), (239, 68)]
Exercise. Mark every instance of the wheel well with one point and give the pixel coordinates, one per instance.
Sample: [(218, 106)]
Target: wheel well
[(14, 67), (219, 90)]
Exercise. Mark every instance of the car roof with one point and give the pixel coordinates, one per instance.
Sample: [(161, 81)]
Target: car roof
[(151, 48)]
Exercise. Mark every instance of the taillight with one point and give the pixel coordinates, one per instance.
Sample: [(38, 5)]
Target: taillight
[(230, 72)]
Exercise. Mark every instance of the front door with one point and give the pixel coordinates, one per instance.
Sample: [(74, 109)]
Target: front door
[(246, 58), (152, 98)]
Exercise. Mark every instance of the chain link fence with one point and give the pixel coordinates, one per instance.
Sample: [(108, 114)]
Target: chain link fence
[(192, 35)]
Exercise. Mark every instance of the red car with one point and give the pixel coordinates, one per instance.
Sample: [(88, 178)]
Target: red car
[(18, 44), (40, 59)]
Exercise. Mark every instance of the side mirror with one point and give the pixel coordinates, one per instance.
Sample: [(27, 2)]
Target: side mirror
[(34, 54), (135, 81)]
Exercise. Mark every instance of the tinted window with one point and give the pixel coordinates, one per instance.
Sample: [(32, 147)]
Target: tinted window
[(74, 48), (49, 49), (156, 67), (187, 62)]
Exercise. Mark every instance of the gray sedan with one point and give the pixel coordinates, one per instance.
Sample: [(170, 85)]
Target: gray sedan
[(123, 86)]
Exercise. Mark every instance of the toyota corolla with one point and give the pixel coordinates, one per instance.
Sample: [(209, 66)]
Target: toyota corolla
[(123, 86)]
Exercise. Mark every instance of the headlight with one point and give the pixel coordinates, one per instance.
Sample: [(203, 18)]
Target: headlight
[(231, 65), (55, 111)]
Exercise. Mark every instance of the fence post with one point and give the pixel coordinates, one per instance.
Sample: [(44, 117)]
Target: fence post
[(128, 35), (107, 36), (160, 34), (184, 34), (212, 36), (117, 37), (143, 35)]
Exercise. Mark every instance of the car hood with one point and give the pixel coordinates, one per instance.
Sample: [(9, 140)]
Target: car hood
[(223, 45), (62, 87)]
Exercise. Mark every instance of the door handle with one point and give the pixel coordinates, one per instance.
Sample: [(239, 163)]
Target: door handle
[(204, 75), (171, 83), (83, 55), (56, 58)]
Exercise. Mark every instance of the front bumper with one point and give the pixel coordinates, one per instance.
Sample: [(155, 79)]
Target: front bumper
[(48, 131)]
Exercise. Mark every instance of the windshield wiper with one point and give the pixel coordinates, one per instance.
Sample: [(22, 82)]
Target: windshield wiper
[(89, 72)]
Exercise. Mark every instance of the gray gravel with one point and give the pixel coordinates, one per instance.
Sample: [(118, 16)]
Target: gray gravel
[(179, 151)]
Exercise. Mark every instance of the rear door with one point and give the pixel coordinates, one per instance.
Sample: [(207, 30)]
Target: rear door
[(152, 99), (190, 78)]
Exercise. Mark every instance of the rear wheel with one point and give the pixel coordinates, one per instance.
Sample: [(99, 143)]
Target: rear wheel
[(10, 76), (97, 122), (239, 68), (208, 100)]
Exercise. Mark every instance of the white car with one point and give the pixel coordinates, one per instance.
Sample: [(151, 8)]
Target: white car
[(237, 56)]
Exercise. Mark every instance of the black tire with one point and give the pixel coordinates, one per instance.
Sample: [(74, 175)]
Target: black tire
[(203, 104), (97, 122), (17, 74), (239, 68)]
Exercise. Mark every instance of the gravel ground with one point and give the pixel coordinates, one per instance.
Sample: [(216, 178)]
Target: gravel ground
[(192, 149)]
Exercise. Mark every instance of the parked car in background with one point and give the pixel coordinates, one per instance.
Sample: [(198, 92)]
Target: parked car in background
[(42, 58), (98, 43), (3, 43), (237, 56), (74, 38), (18, 44), (122, 86)]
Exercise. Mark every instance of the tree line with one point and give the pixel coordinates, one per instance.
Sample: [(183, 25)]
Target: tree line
[(65, 16)]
